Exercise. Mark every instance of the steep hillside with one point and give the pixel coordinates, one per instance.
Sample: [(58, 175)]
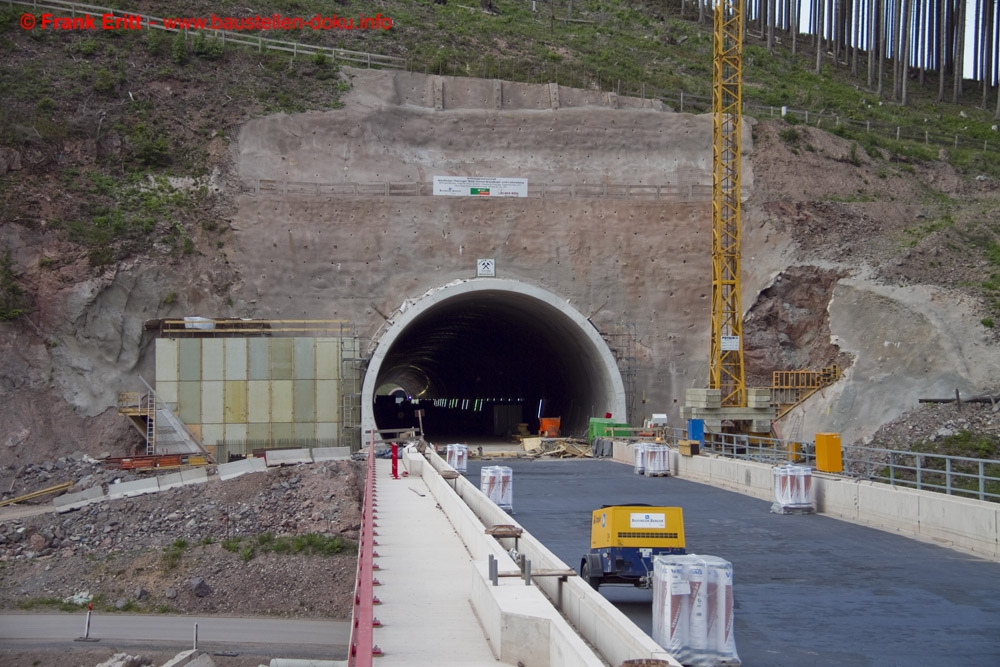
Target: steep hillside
[(117, 189)]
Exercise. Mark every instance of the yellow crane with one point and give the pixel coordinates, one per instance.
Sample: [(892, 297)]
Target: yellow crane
[(726, 371)]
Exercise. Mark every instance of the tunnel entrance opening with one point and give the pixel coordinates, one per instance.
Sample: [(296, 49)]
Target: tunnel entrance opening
[(481, 357)]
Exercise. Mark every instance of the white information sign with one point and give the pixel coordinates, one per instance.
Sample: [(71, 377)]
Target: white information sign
[(641, 520), (486, 268), (480, 186), (729, 343)]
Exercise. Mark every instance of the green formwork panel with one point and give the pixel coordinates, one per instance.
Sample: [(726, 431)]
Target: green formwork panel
[(602, 427)]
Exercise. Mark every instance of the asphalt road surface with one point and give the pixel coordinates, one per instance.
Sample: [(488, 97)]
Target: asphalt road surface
[(284, 637), (810, 591)]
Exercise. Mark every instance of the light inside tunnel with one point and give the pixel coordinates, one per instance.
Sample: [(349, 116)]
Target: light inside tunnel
[(479, 362)]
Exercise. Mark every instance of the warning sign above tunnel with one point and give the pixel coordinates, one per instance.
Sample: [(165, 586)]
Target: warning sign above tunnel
[(480, 186)]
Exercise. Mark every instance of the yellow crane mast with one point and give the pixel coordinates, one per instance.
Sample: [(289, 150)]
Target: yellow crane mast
[(726, 371)]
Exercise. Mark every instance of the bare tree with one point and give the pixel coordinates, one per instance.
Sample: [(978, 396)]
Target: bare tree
[(818, 18), (959, 58), (904, 49), (770, 25), (873, 23), (897, 79), (942, 48), (989, 63), (856, 19), (881, 46), (794, 26)]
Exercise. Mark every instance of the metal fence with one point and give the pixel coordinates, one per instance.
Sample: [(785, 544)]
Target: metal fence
[(665, 192), (686, 102), (953, 475)]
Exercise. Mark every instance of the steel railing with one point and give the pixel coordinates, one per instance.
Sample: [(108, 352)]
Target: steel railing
[(962, 476), (363, 622), (954, 475)]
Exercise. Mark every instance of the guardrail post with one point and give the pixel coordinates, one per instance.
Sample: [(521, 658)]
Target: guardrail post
[(527, 572)]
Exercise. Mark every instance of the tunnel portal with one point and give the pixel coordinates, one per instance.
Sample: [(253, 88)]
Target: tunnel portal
[(481, 356)]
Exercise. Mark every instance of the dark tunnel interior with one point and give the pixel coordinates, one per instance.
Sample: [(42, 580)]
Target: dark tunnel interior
[(478, 364)]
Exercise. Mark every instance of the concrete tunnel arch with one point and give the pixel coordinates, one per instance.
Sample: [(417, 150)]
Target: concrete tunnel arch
[(492, 338)]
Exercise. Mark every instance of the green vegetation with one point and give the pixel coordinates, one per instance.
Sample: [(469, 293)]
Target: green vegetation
[(13, 301), (172, 555), (35, 604), (965, 444), (121, 218), (310, 544)]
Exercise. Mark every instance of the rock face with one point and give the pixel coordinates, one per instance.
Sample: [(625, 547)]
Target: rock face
[(199, 587)]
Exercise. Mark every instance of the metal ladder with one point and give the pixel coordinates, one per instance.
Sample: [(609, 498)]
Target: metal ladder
[(150, 410)]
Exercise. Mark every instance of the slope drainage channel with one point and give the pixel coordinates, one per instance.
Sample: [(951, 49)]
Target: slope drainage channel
[(480, 357)]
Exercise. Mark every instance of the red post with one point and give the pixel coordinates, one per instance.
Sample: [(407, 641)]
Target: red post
[(395, 461)]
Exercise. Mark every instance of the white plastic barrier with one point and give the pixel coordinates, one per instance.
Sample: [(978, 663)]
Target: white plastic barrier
[(639, 452), (497, 482), (457, 457), (657, 458), (793, 491), (693, 609)]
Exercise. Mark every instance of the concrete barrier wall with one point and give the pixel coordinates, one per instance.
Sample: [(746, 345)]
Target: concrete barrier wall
[(138, 487), (467, 524), (171, 481), (286, 457), (331, 454), (518, 620), (970, 526), (72, 501), (595, 619), (194, 476), (523, 627)]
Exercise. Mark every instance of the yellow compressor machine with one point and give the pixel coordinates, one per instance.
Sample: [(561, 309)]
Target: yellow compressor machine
[(624, 539)]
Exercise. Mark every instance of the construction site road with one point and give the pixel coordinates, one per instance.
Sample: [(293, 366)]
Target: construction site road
[(289, 638), (809, 589)]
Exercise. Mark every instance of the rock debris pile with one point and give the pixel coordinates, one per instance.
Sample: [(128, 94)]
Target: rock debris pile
[(278, 542)]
